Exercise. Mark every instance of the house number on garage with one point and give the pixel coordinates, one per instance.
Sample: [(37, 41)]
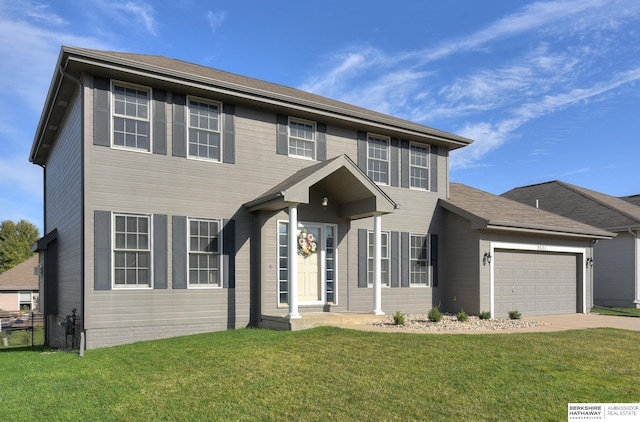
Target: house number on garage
[(542, 248)]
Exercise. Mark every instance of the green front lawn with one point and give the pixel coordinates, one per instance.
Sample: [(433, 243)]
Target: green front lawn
[(616, 311), (326, 374)]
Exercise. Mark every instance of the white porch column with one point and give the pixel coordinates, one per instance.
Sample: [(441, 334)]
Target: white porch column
[(293, 262), (377, 265)]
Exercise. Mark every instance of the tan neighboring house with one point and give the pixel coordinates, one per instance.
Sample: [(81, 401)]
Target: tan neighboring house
[(19, 287), (182, 199), (616, 261)]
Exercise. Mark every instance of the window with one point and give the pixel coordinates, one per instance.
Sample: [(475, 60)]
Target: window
[(384, 270), (132, 250), (419, 166), (131, 124), (24, 301), (302, 139), (204, 253), (378, 158), (204, 130), (419, 266)]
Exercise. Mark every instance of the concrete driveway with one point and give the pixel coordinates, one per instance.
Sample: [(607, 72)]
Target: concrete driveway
[(581, 321)]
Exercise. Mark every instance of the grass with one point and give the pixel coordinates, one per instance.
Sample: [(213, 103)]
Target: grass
[(617, 311), (325, 374)]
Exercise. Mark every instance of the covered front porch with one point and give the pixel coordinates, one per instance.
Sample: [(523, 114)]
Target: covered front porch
[(319, 201)]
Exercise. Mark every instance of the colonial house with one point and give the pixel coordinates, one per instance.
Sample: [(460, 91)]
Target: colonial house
[(617, 261), (182, 199)]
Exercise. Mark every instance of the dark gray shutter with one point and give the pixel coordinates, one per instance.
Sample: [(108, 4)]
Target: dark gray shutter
[(179, 125), (362, 151), (405, 261), (433, 261), (393, 162), (160, 245), (395, 259), (363, 267), (229, 254), (159, 122), (405, 163), (180, 255), (229, 135), (282, 134), (102, 250), (321, 142), (434, 169), (101, 112)]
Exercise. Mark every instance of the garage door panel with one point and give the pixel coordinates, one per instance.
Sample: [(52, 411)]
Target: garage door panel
[(534, 283)]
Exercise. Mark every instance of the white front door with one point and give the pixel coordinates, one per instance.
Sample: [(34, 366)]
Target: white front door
[(310, 258)]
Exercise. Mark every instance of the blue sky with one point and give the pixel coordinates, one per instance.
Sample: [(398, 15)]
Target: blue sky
[(548, 90)]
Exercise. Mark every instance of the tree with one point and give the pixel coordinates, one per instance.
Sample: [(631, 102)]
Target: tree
[(15, 242)]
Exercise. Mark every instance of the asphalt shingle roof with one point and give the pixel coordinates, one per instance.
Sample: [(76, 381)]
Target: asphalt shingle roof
[(490, 211), (21, 276), (585, 205)]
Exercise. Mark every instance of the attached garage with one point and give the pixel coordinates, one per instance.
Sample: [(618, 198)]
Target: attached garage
[(536, 283)]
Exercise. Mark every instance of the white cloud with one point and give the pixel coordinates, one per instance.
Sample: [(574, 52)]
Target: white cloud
[(215, 19)]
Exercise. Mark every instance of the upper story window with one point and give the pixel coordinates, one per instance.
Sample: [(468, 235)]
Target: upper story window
[(132, 250), (384, 248), (419, 166), (204, 130), (419, 267), (302, 138), (131, 117), (204, 253), (378, 158)]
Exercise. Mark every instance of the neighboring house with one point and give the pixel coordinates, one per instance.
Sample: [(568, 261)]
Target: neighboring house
[(616, 261), (182, 199), (634, 199), (19, 287)]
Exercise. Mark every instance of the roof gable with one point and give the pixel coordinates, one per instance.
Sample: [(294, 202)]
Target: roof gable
[(20, 277), (585, 205), (488, 211)]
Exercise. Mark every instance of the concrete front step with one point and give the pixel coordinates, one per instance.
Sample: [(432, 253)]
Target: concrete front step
[(316, 319)]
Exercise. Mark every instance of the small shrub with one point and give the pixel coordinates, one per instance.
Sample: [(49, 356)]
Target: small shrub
[(462, 315), (485, 315), (399, 318), (435, 315), (514, 314)]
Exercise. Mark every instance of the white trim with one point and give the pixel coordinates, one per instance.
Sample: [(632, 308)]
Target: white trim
[(427, 239), (536, 248), (428, 168), (388, 160), (115, 286), (220, 254), (149, 119), (314, 127), (220, 127)]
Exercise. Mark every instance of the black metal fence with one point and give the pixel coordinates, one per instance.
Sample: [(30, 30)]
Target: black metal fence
[(64, 333), (21, 329)]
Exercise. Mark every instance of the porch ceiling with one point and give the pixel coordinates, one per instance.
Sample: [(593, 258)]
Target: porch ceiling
[(340, 179)]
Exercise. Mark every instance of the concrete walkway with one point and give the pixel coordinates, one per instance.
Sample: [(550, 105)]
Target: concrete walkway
[(552, 323)]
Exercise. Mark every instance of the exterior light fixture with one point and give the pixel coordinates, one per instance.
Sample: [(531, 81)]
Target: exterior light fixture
[(486, 259), (325, 201), (589, 262)]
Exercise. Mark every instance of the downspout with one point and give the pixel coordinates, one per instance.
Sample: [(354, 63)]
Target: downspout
[(78, 82), (636, 267)]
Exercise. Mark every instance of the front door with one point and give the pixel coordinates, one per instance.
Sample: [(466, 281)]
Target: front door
[(310, 253)]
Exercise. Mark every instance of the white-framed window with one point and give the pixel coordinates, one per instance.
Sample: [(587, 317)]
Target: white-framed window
[(419, 261), (205, 247), (384, 265), (302, 138), (131, 111), (132, 250), (25, 300), (204, 129), (419, 166), (378, 158)]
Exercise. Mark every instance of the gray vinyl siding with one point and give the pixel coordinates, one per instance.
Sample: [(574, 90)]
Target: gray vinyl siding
[(63, 209), (614, 271), (463, 268)]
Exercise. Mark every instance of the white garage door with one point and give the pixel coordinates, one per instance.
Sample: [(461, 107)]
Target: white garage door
[(535, 283)]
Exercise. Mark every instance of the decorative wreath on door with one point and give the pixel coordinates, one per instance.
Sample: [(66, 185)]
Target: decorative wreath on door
[(306, 243)]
